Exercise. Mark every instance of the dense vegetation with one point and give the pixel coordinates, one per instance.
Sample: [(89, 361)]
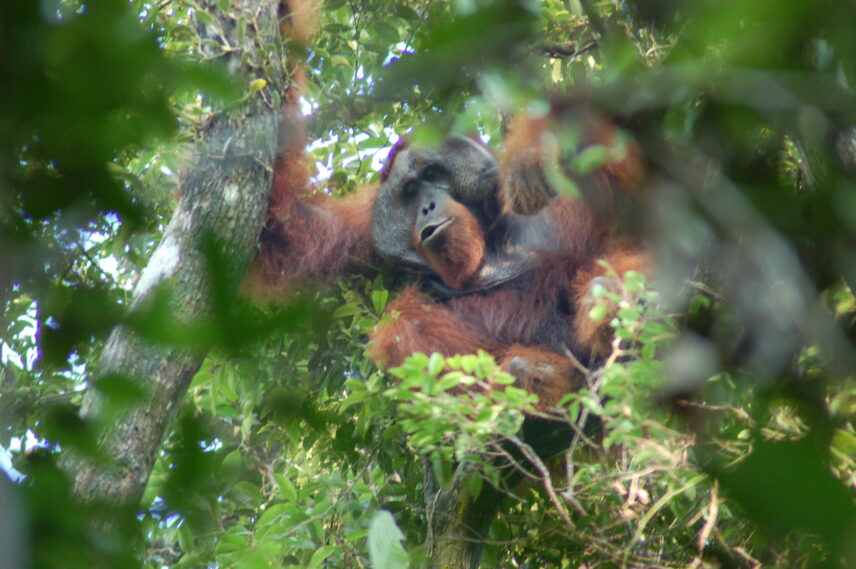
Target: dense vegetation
[(728, 408)]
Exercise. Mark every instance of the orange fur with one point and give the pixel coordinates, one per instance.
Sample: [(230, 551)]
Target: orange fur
[(597, 336), (531, 149), (462, 251), (309, 234), (524, 188), (416, 324), (319, 239), (549, 375), (300, 20), (526, 323)]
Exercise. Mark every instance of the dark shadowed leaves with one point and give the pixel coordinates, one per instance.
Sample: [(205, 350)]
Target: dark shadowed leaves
[(193, 479), (74, 315), (62, 532), (787, 486), (453, 51)]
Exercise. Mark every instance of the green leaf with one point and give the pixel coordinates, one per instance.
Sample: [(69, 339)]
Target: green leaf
[(598, 311), (227, 387), (345, 310), (341, 60), (634, 281), (379, 299), (451, 380), (385, 32), (286, 489), (590, 159), (205, 17), (406, 12), (592, 404), (253, 560), (355, 398), (320, 555), (357, 535), (384, 543), (436, 364), (270, 515)]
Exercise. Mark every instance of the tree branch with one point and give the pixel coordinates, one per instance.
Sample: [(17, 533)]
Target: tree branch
[(224, 200)]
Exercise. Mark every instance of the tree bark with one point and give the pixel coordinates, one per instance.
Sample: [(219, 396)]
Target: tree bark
[(224, 200), (459, 520)]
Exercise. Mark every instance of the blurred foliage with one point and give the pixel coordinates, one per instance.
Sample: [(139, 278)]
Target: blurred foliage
[(728, 406)]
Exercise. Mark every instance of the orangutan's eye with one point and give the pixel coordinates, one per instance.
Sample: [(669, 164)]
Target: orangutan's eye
[(409, 189)]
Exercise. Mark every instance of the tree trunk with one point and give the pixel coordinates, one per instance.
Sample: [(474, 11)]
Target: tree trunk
[(458, 522), (459, 519), (224, 200)]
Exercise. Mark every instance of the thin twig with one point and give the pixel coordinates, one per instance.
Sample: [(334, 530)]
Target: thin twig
[(548, 484), (712, 516)]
